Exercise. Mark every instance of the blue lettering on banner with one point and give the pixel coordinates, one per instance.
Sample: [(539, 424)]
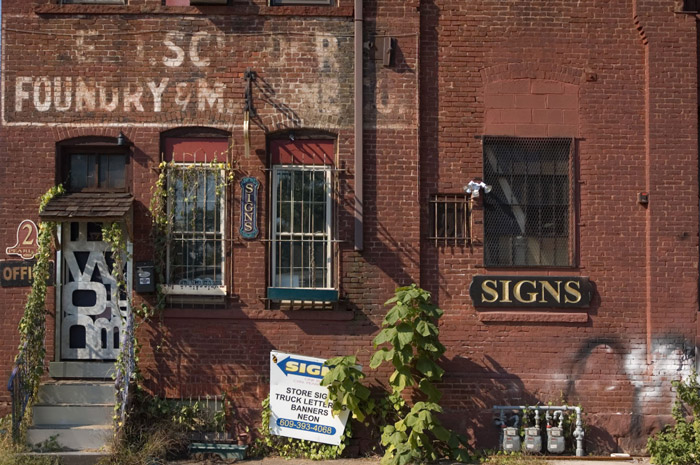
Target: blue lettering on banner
[(305, 426), (292, 366)]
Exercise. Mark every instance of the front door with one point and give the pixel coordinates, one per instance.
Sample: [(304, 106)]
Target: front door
[(93, 309)]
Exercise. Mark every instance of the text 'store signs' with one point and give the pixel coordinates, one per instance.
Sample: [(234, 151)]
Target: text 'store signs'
[(298, 403)]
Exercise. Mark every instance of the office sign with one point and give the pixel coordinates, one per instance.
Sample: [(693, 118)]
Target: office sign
[(20, 273), (531, 291), (298, 404)]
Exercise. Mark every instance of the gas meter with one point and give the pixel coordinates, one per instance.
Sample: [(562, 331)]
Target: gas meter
[(511, 436), (533, 439), (555, 434)]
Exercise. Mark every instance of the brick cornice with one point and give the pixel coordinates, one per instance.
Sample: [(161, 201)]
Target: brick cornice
[(238, 10)]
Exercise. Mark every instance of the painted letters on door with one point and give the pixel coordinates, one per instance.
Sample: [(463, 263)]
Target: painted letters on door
[(92, 307)]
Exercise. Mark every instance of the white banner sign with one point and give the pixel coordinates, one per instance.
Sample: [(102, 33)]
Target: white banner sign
[(298, 403)]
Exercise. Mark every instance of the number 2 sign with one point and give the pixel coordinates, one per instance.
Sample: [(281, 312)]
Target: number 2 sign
[(27, 245)]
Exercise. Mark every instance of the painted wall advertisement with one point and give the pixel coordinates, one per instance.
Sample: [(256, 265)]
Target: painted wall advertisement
[(298, 403)]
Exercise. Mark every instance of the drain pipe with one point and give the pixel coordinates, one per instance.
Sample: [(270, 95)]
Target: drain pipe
[(578, 431), (359, 125)]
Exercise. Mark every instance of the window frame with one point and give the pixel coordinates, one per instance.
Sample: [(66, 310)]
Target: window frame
[(327, 235), (99, 146), (201, 134), (200, 289), (491, 201), (461, 202)]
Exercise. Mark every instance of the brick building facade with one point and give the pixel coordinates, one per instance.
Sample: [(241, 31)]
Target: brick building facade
[(566, 110)]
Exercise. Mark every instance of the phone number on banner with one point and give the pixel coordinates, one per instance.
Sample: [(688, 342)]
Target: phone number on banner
[(305, 426)]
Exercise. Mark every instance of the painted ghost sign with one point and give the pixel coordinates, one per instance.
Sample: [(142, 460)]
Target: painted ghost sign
[(159, 90)]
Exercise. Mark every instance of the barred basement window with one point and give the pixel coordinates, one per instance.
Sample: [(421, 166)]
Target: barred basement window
[(527, 215), (449, 215)]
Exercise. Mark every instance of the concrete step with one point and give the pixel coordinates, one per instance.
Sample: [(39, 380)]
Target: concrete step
[(67, 458), (77, 438), (72, 414), (71, 392), (82, 370)]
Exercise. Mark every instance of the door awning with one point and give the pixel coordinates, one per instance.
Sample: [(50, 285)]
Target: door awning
[(91, 206)]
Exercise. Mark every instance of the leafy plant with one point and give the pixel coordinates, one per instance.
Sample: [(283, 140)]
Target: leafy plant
[(160, 428), (410, 340), (679, 444), (268, 444), (49, 445), (345, 388)]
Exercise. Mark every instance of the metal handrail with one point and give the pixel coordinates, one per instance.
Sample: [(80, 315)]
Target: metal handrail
[(19, 394)]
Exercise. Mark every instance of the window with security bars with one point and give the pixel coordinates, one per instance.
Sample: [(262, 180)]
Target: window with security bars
[(527, 215), (196, 240), (301, 229), (449, 216)]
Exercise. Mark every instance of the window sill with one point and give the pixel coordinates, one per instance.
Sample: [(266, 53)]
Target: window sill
[(233, 10), (261, 315), (176, 289), (533, 317), (302, 294)]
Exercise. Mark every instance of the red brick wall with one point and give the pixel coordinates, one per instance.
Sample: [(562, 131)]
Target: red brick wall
[(620, 77), (490, 62), (531, 108)]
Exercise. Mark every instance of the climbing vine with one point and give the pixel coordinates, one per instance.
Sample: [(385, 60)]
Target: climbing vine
[(32, 325), (125, 365), (188, 179)]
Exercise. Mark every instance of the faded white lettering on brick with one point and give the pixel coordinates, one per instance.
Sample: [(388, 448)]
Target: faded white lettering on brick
[(212, 96), (157, 92), (133, 99), (108, 104), (84, 96), (62, 93), (42, 94), (21, 94)]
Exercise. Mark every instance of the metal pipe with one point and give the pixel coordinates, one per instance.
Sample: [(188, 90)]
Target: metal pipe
[(578, 431), (359, 126)]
